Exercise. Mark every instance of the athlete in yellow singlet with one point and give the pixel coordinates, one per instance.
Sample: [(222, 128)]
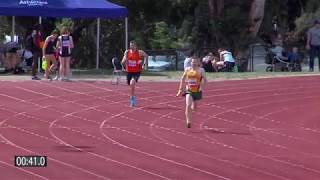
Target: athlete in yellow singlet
[(194, 76)]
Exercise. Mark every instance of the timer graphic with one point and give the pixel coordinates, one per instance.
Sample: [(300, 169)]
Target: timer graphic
[(30, 161)]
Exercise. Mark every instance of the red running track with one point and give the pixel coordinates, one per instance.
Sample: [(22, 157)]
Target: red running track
[(266, 129)]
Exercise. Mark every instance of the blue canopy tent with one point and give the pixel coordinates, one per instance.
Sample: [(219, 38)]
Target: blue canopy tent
[(66, 8)]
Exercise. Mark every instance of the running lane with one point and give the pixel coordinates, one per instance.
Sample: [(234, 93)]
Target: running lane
[(252, 129)]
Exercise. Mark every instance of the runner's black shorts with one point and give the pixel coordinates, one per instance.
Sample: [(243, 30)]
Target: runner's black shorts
[(134, 75), (196, 96)]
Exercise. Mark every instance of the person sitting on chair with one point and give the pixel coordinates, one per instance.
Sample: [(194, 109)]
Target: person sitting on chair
[(294, 59), (226, 56), (217, 64), (206, 62), (278, 51)]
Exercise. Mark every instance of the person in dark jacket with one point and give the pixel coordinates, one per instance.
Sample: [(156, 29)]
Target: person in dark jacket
[(33, 45)]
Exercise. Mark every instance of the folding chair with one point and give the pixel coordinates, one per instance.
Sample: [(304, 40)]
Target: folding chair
[(118, 72)]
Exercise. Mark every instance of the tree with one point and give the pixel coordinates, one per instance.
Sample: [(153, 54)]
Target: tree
[(4, 28), (256, 17), (305, 21), (216, 8), (164, 37), (180, 24)]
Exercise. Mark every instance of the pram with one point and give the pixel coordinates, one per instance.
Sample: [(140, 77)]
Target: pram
[(277, 63)]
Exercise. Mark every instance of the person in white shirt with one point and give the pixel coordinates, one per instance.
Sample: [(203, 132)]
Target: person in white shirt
[(313, 43), (187, 61), (227, 58), (278, 51)]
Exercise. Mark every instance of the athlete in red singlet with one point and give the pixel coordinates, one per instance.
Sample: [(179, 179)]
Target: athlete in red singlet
[(132, 60)]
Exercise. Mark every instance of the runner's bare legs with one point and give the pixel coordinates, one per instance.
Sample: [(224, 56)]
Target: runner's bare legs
[(132, 90), (189, 102)]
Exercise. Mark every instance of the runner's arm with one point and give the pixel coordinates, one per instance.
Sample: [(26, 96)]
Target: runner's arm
[(45, 46), (182, 81), (204, 78), (58, 45)]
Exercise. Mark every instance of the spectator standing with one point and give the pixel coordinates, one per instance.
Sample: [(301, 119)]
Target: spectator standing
[(32, 44), (278, 41), (313, 44), (187, 61)]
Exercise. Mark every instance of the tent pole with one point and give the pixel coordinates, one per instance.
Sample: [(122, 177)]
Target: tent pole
[(98, 44), (13, 28), (126, 32), (39, 58)]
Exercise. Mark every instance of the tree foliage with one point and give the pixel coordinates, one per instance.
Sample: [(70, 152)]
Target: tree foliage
[(169, 24), (4, 28), (306, 19)]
